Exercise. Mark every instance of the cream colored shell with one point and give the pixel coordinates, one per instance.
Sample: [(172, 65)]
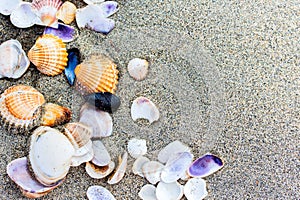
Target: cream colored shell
[(66, 12)]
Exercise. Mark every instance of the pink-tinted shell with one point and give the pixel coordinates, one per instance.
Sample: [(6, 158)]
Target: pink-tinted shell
[(46, 10)]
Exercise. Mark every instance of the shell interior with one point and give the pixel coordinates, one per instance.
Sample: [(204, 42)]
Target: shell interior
[(143, 108), (101, 155), (169, 191), (99, 172), (23, 16)]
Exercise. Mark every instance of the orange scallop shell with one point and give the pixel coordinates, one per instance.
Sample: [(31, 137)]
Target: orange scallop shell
[(49, 55), (67, 12), (55, 115), (97, 74), (20, 106)]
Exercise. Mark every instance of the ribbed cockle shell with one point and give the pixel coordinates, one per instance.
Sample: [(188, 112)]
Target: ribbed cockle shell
[(49, 55), (66, 12)]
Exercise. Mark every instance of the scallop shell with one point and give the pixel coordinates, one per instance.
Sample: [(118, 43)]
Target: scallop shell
[(119, 173), (137, 147), (144, 108), (46, 11), (97, 74), (78, 133), (55, 115), (99, 172), (49, 55), (20, 106), (152, 171), (66, 12), (195, 189), (169, 191), (97, 192), (13, 59), (7, 6), (147, 192), (138, 68), (23, 16)]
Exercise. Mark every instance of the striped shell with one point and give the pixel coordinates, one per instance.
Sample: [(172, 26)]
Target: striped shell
[(66, 12), (20, 106), (49, 55), (97, 74)]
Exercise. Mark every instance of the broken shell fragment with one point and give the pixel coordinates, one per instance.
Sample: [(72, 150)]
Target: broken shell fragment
[(49, 55), (152, 171), (78, 133), (19, 172), (169, 191), (73, 61), (172, 148), (100, 121), (145, 109), (13, 59), (99, 172), (66, 12), (23, 16), (147, 192), (96, 74), (55, 115), (137, 147), (101, 155), (64, 32), (119, 173), (205, 165), (97, 192), (44, 144), (93, 1), (176, 167), (108, 8), (83, 154), (104, 101), (7, 6), (138, 164), (138, 68), (195, 189)]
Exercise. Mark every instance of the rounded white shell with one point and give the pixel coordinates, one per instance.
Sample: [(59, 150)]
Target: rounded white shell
[(170, 149), (169, 191), (101, 155), (147, 192), (23, 16), (97, 192), (138, 164), (195, 189), (143, 108), (138, 68), (137, 147), (7, 6), (152, 171)]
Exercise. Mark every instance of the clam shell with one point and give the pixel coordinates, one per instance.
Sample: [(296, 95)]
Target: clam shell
[(46, 11), (78, 133), (119, 173), (143, 108), (99, 172), (49, 55), (82, 154), (96, 192), (96, 74), (7, 6), (152, 171), (205, 165), (195, 189), (20, 106), (100, 121), (137, 147), (66, 12), (148, 192), (101, 155), (172, 148), (19, 172), (138, 164), (13, 59), (138, 68), (104, 101), (169, 191), (64, 32), (55, 115), (23, 16), (50, 155)]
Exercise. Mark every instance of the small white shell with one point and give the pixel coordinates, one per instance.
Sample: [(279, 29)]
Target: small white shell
[(120, 171), (23, 16), (195, 189), (101, 155), (97, 192), (145, 109), (138, 164), (169, 191), (152, 171), (7, 6), (93, 1), (147, 192), (83, 154), (137, 147), (138, 68), (99, 172), (88, 148), (172, 148)]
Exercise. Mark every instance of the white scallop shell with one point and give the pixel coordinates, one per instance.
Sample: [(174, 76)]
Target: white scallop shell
[(99, 172), (120, 171), (97, 192), (138, 164), (101, 155), (137, 147), (23, 16), (7, 6), (143, 108), (169, 191), (195, 189), (152, 171), (147, 192), (172, 148), (138, 68)]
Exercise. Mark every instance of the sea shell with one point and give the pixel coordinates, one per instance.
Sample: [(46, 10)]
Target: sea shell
[(104, 101), (55, 115), (19, 172), (97, 192), (7, 6), (49, 55), (20, 106), (172, 148), (73, 61), (50, 155), (100, 121), (93, 1), (96, 74), (119, 173), (13, 59), (205, 165), (169, 191), (46, 11), (83, 154), (152, 171), (145, 109), (23, 16), (101, 155), (99, 172), (108, 8), (148, 192), (138, 68), (137, 147), (176, 167), (64, 32), (138, 164), (78, 133), (66, 12), (195, 189)]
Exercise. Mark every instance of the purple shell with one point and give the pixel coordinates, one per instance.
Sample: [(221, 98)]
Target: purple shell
[(108, 8), (64, 32), (205, 165)]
